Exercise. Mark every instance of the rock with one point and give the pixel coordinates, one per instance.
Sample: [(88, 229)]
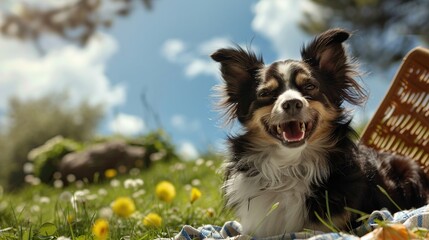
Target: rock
[(98, 158)]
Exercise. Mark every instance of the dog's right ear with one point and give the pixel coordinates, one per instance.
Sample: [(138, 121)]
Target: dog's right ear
[(239, 70)]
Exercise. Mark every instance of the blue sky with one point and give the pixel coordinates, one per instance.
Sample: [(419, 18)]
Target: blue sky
[(163, 53)]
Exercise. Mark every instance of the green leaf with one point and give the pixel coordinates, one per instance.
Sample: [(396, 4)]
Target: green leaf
[(47, 229), (26, 234), (7, 236)]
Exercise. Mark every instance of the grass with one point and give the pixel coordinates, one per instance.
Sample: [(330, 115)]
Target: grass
[(46, 212)]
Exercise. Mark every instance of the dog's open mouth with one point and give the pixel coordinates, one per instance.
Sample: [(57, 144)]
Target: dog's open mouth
[(292, 133)]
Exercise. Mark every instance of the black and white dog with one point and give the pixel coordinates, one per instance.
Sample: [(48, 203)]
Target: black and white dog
[(297, 150)]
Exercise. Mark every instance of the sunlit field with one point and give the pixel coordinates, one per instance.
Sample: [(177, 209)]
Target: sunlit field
[(145, 204), (115, 118)]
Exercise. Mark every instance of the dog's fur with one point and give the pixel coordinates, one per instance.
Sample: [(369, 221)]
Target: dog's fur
[(297, 148)]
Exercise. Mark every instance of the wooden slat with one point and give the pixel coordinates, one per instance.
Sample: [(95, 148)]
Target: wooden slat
[(401, 123)]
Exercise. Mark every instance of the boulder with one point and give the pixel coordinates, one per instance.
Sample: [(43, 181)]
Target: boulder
[(100, 157)]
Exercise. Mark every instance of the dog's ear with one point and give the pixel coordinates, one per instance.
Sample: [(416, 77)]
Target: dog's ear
[(326, 51), (327, 56), (239, 70)]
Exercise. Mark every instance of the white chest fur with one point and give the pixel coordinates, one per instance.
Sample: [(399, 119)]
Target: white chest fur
[(280, 179)]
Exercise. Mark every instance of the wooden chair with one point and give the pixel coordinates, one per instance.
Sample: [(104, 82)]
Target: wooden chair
[(401, 123)]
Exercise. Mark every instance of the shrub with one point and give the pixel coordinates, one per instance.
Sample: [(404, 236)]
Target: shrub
[(47, 157)]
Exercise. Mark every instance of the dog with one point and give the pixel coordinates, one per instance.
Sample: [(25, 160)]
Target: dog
[(296, 160)]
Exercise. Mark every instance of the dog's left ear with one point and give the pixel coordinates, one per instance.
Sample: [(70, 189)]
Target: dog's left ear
[(327, 56), (326, 51)]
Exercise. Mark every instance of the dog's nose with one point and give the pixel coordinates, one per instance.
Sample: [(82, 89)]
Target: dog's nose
[(292, 106)]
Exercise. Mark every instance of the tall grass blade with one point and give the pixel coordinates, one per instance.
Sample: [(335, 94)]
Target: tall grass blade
[(382, 190)]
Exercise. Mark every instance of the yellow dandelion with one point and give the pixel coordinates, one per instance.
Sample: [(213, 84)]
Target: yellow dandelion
[(195, 194), (70, 218), (165, 191), (152, 220), (123, 206), (110, 173), (100, 229)]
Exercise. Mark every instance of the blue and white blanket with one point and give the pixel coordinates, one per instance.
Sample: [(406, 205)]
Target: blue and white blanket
[(416, 218)]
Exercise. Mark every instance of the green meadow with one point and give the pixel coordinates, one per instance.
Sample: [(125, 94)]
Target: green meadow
[(42, 211)]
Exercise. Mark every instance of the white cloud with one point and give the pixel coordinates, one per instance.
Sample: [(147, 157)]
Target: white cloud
[(196, 62), (278, 21), (126, 124), (198, 67), (214, 44), (178, 121), (187, 151), (80, 72), (172, 49), (105, 9), (182, 123)]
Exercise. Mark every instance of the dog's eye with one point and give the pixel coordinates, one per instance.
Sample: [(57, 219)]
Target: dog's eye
[(265, 93), (309, 87)]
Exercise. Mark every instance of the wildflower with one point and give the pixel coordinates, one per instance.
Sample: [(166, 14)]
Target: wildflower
[(28, 168), (70, 218), (187, 187), (195, 194), (35, 209), (65, 196), (58, 183), (57, 175), (199, 162), (115, 183), (133, 183), (79, 197), (134, 171), (110, 173), (123, 207), (157, 156), (152, 220), (209, 163), (63, 238), (44, 200), (91, 197), (178, 167), (102, 192), (30, 179), (105, 213), (100, 229), (196, 182), (79, 184), (165, 191), (139, 193), (71, 178), (210, 212)]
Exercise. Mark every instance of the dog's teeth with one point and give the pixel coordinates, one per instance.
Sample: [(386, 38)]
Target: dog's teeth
[(303, 126), (279, 129)]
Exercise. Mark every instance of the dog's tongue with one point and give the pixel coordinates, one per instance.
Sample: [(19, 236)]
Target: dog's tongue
[(293, 132)]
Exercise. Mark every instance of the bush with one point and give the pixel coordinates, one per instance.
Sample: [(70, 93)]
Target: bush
[(158, 147), (30, 123), (46, 158), (157, 144)]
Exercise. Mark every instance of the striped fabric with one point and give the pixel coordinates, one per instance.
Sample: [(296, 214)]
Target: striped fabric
[(411, 219)]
